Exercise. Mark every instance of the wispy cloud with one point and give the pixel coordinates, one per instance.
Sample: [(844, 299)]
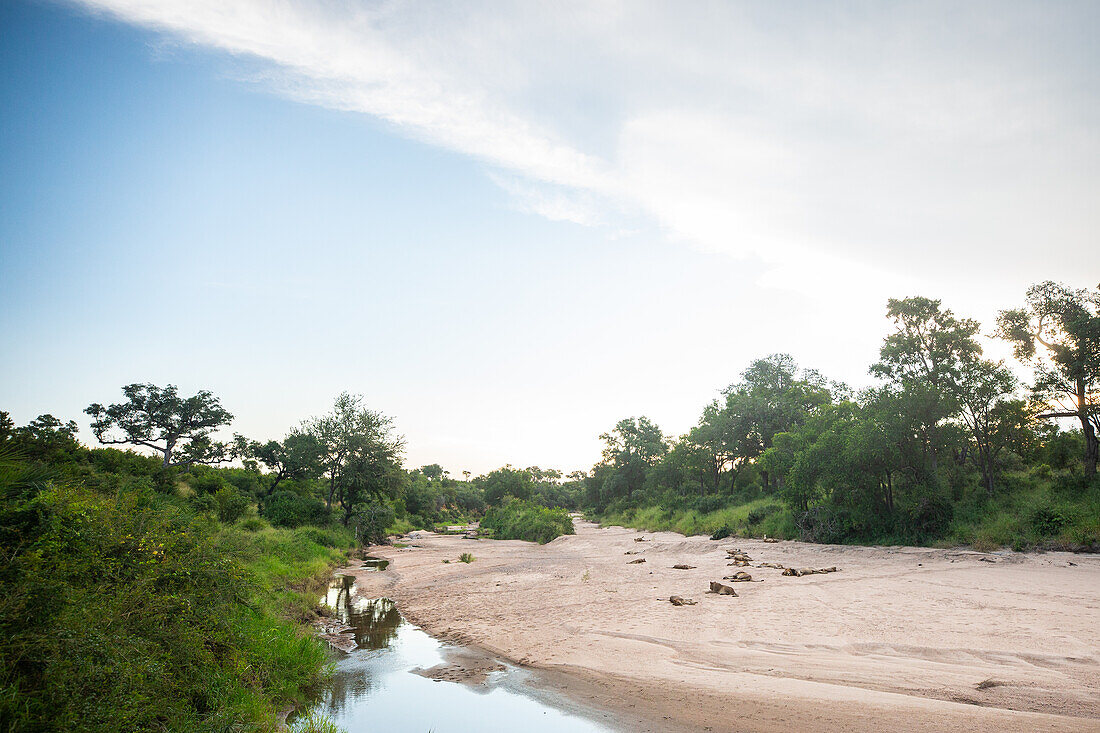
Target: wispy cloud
[(878, 140)]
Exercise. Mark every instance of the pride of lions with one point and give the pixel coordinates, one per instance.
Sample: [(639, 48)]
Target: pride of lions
[(739, 559)]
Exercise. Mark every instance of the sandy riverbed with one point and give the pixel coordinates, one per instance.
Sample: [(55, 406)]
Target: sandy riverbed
[(906, 639)]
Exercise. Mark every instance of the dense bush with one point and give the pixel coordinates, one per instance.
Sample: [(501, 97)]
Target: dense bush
[(521, 520), (207, 482), (289, 509), (124, 613), (231, 505)]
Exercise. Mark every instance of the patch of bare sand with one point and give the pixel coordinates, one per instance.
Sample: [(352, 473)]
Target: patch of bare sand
[(899, 638)]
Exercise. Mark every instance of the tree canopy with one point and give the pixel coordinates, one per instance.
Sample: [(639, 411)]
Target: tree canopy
[(179, 428)]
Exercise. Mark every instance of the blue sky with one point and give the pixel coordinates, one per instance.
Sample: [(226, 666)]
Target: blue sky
[(509, 227)]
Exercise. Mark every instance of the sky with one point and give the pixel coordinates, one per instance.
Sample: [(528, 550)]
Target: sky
[(509, 225)]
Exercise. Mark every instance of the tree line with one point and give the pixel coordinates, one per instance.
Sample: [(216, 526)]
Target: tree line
[(942, 425), (942, 430), (343, 466)]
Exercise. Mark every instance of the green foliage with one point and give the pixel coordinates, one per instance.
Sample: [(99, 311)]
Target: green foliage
[(941, 450), (125, 613), (207, 482), (290, 509), (230, 504), (466, 558), (1047, 521), (315, 722), (158, 418), (521, 520), (505, 482), (126, 607), (254, 524)]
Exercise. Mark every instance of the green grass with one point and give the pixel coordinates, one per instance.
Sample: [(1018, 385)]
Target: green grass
[(129, 612), (315, 722), (400, 527), (768, 518), (1032, 509), (466, 558), (1034, 513)]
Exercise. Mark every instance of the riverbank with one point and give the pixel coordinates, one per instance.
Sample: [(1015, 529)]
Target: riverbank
[(912, 639)]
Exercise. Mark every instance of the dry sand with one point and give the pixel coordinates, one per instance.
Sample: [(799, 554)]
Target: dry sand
[(901, 638)]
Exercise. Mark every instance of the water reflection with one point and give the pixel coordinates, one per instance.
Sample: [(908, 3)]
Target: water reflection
[(374, 563), (374, 687), (375, 620)]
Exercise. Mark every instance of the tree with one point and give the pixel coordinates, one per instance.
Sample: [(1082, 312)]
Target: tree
[(504, 482), (723, 438), (179, 428), (46, 438), (297, 456), (433, 471), (1059, 332), (773, 396), (631, 448), (348, 433), (982, 390), (369, 478), (923, 358)]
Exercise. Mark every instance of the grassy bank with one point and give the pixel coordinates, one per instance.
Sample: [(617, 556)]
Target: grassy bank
[(1034, 510), (124, 608), (752, 519)]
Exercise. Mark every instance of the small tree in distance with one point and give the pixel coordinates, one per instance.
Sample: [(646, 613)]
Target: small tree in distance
[(179, 428)]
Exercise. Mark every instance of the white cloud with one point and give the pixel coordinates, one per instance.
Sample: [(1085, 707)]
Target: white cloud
[(891, 138)]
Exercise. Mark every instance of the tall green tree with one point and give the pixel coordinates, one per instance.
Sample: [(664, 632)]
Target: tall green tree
[(348, 434), (179, 428), (506, 481), (297, 456), (630, 449), (371, 477), (923, 358), (1058, 332), (774, 396)]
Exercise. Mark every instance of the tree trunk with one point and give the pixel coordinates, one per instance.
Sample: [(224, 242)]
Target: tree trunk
[(1092, 445), (331, 489), (1092, 448)]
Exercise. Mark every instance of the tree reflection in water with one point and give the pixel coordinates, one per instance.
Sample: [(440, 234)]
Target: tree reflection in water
[(377, 686), (375, 621)]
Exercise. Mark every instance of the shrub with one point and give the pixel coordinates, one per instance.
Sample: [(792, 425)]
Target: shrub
[(1048, 522), (722, 533), (231, 504), (759, 514), (522, 520), (204, 503), (289, 509), (323, 537), (374, 519), (207, 483), (122, 614), (929, 516), (254, 524), (466, 558)]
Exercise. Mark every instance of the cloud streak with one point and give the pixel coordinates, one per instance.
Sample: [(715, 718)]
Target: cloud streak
[(882, 140)]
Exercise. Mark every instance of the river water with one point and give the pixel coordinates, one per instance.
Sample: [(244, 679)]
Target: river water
[(376, 687)]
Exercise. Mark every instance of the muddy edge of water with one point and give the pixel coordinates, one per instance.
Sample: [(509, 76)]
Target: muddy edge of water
[(573, 692)]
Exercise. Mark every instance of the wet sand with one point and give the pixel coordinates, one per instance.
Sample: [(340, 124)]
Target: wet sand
[(900, 638)]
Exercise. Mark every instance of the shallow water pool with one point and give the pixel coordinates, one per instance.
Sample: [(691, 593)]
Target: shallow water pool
[(376, 687)]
